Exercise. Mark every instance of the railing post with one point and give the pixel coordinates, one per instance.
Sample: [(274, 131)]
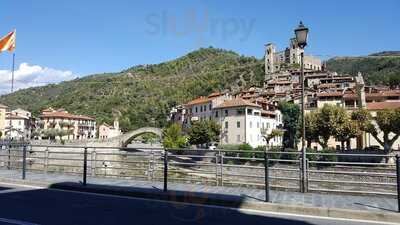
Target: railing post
[(165, 170), (266, 175), (84, 166), (301, 180), (24, 162), (216, 168), (149, 165), (46, 160), (307, 167), (9, 156), (93, 162), (398, 181), (222, 169)]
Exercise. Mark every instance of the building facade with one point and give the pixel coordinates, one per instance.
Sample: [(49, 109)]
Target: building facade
[(107, 131), (75, 126), (245, 122)]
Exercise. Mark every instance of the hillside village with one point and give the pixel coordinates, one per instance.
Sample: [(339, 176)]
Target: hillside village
[(249, 115), (245, 115)]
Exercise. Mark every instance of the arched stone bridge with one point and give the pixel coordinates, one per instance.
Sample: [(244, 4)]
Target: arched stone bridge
[(127, 138), (115, 142), (124, 139)]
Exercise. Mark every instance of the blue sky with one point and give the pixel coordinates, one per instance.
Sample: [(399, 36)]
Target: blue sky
[(69, 38)]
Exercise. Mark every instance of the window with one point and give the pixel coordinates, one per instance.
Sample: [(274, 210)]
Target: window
[(238, 124), (249, 111), (209, 107), (240, 111), (196, 109), (216, 114), (201, 108), (226, 112), (238, 138), (251, 124), (256, 113), (205, 108), (226, 124)]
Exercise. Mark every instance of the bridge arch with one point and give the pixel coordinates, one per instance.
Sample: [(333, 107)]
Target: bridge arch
[(127, 138)]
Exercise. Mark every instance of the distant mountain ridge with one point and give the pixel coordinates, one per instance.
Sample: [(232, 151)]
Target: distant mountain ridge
[(386, 53)]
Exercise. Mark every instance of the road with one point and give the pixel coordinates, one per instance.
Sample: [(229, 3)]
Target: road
[(26, 205)]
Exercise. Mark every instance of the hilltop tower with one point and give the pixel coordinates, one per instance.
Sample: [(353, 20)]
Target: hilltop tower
[(270, 50), (295, 52), (362, 103)]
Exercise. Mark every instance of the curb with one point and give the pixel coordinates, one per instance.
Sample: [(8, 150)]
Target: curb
[(214, 199)]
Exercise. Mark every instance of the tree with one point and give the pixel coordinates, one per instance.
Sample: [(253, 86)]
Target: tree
[(312, 132), (173, 137), (274, 133), (386, 122), (345, 131), (204, 132), (329, 121), (290, 116)]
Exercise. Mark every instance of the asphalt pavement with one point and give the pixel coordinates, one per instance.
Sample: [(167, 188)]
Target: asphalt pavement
[(26, 205)]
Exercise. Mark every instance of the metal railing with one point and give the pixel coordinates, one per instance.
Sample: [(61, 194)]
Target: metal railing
[(365, 174)]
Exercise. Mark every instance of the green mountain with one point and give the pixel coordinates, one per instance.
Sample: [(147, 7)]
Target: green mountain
[(143, 95), (379, 68)]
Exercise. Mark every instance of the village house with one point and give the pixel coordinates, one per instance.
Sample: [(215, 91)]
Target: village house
[(108, 131), (77, 126), (19, 121), (202, 108)]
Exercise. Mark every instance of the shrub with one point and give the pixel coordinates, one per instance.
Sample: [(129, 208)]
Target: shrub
[(327, 158), (291, 155), (244, 148), (312, 157)]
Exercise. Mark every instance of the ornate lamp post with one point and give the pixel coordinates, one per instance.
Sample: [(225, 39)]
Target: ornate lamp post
[(301, 37)]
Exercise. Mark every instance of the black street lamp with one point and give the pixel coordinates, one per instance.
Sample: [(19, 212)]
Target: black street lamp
[(301, 38), (301, 35)]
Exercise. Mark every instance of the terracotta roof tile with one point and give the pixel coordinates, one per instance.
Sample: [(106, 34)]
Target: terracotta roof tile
[(330, 94), (199, 100), (236, 102), (66, 115), (383, 105)]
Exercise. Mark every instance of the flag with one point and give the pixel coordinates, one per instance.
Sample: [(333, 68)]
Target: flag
[(7, 43)]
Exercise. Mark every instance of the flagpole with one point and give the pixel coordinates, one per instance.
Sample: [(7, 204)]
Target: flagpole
[(12, 73), (12, 90)]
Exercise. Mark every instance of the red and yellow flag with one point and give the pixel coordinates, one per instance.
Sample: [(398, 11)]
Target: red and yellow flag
[(7, 43)]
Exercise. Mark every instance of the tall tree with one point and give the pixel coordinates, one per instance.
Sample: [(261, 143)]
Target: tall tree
[(204, 132), (173, 137), (387, 123), (346, 131), (312, 132), (290, 116)]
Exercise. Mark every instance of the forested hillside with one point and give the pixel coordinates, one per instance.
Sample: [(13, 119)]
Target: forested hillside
[(380, 68), (144, 94)]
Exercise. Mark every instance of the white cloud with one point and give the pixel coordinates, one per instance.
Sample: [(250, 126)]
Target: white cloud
[(30, 76)]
